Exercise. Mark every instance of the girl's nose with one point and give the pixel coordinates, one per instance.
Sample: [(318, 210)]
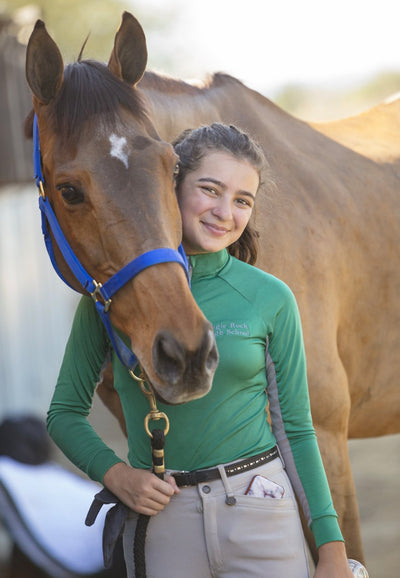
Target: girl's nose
[(223, 209)]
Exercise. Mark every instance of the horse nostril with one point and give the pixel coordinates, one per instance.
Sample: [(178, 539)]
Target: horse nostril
[(211, 352), (168, 357), (177, 366)]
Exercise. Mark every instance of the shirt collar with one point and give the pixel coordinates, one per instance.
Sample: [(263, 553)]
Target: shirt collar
[(206, 264)]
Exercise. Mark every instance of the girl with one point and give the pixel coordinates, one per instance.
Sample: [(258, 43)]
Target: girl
[(227, 507)]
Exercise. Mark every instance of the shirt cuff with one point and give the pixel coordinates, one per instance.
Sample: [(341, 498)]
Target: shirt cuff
[(326, 529)]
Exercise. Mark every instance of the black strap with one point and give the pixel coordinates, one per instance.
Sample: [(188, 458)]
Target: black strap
[(139, 556), (113, 524), (117, 515)]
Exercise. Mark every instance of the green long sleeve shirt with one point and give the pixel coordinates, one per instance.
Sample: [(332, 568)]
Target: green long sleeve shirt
[(262, 361)]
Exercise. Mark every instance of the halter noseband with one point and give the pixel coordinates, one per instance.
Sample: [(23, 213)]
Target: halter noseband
[(100, 293)]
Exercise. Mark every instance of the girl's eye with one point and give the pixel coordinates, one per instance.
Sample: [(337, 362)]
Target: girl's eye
[(71, 195), (210, 190), (244, 202)]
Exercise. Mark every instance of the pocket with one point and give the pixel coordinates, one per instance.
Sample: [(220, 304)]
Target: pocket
[(264, 530), (264, 488), (265, 503), (264, 527), (275, 479)]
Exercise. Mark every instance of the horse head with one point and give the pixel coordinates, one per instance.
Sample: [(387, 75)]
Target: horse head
[(110, 181)]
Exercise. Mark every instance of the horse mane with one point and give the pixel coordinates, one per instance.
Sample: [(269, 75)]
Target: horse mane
[(89, 91), (163, 83), (170, 85)]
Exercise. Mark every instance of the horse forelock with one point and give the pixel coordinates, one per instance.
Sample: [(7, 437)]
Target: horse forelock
[(91, 92)]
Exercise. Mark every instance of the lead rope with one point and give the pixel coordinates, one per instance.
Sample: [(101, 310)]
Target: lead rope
[(157, 437)]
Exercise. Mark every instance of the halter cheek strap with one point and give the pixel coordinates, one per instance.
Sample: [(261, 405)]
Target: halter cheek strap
[(101, 294)]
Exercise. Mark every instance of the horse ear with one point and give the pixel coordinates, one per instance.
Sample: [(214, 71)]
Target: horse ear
[(129, 56), (44, 64)]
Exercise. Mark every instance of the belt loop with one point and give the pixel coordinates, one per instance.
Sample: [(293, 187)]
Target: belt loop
[(230, 499), (281, 456)]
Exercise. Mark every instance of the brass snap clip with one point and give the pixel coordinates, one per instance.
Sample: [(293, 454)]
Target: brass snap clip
[(155, 414)]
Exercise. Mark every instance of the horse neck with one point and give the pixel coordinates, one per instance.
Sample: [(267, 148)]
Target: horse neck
[(175, 106)]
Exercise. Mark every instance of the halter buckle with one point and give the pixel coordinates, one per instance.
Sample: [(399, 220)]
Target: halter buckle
[(98, 296), (41, 190)]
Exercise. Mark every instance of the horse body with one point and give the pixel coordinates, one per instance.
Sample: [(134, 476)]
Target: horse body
[(329, 229)]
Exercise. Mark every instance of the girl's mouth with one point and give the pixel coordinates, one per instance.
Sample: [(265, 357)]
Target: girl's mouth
[(215, 229)]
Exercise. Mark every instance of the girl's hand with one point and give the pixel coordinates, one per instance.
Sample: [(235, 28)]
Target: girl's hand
[(140, 490), (333, 561)]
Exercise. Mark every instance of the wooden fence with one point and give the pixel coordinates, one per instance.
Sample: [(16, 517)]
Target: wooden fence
[(15, 103)]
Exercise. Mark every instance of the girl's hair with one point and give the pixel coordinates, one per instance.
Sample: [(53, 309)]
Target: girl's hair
[(193, 144)]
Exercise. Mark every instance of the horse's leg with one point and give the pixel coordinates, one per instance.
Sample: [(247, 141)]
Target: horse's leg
[(330, 404), (334, 450)]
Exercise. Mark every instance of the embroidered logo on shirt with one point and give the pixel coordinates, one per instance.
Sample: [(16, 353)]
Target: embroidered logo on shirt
[(231, 328)]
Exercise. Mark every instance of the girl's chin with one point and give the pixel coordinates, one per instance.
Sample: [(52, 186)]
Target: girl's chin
[(212, 246), (208, 244), (204, 248)]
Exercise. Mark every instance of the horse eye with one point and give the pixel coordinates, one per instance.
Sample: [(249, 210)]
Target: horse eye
[(71, 195), (176, 170)]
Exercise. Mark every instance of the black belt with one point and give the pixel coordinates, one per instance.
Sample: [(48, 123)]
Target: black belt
[(199, 476)]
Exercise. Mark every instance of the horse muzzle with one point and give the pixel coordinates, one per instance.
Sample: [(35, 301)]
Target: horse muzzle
[(183, 375)]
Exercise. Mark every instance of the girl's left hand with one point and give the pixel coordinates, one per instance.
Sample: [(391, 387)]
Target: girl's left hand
[(333, 561)]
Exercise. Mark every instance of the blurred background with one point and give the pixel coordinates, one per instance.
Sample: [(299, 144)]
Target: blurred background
[(319, 61)]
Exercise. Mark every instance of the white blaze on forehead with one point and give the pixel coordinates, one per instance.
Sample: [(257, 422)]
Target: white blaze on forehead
[(119, 148)]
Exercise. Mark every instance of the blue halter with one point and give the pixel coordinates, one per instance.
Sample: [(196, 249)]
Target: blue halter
[(101, 294)]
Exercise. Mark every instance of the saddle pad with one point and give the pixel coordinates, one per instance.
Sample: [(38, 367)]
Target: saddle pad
[(44, 508)]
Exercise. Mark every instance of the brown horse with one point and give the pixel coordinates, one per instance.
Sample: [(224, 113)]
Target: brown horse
[(330, 230)]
